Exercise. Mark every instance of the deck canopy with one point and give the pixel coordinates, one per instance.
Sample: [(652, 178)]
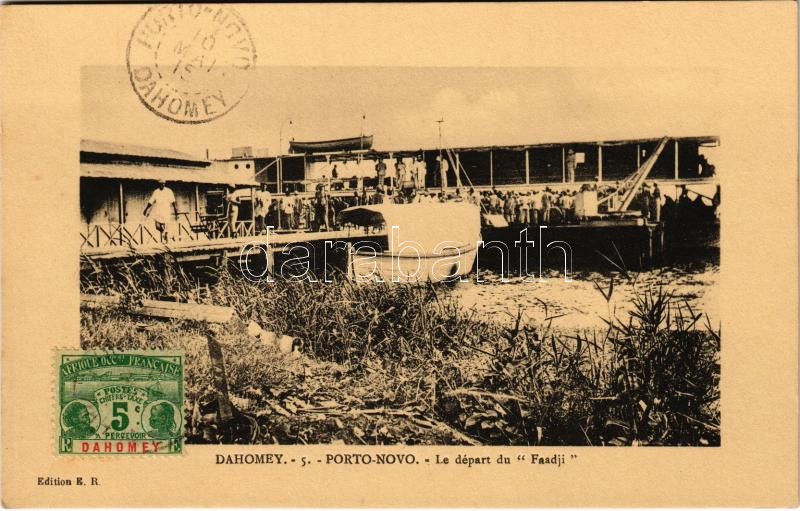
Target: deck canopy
[(428, 224)]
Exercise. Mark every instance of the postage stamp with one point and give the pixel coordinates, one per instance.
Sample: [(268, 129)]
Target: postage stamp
[(190, 63), (120, 403)]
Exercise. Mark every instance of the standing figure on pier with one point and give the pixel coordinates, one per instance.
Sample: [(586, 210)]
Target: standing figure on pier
[(298, 209), (536, 206), (444, 166), (321, 206), (420, 172), (287, 210), (524, 209), (161, 202), (644, 201), (399, 173), (380, 171), (232, 202), (261, 202), (655, 208), (570, 165), (546, 203)]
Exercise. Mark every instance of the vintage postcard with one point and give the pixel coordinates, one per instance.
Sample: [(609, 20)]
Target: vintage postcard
[(397, 255)]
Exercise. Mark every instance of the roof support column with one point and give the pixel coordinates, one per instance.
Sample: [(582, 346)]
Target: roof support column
[(121, 212), (279, 177), (563, 165), (121, 207), (676, 160), (600, 163), (491, 168), (527, 168)]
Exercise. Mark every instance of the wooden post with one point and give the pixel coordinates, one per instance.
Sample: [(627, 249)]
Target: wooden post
[(563, 165), (676, 160), (527, 168), (196, 202), (638, 156), (279, 176), (121, 211), (121, 204), (600, 163), (491, 168)]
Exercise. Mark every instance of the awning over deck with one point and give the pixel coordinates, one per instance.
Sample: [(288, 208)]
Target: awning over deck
[(170, 174)]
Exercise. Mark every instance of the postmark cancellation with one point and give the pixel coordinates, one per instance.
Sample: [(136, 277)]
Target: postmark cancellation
[(190, 63)]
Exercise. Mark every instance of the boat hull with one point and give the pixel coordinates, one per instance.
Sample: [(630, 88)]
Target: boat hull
[(327, 146), (447, 267)]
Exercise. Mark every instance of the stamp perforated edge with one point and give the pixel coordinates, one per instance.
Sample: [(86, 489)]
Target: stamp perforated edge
[(55, 386)]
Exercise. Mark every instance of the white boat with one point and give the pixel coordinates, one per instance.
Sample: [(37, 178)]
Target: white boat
[(421, 242)]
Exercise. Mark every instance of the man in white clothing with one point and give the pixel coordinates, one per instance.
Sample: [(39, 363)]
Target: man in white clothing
[(161, 202)]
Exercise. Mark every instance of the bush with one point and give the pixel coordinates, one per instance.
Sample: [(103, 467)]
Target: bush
[(652, 379)]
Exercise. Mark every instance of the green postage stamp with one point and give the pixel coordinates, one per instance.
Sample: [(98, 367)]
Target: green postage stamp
[(120, 403)]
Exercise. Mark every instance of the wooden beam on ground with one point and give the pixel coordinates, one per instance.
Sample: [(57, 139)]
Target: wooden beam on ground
[(165, 310)]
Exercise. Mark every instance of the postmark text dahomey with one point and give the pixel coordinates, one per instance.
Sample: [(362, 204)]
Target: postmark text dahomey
[(190, 63), (120, 403)]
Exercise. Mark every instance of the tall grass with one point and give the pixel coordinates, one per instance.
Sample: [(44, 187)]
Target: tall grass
[(651, 378)]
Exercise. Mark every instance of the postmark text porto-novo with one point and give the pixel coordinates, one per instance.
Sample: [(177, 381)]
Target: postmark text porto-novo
[(190, 63)]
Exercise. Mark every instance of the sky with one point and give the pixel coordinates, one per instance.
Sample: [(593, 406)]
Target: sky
[(400, 106)]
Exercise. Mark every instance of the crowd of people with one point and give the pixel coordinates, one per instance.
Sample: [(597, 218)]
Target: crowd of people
[(292, 211)]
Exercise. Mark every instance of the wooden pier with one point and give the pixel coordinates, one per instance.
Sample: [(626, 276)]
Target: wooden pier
[(194, 250), (643, 241)]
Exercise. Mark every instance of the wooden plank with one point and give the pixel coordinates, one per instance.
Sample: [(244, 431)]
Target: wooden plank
[(166, 310)]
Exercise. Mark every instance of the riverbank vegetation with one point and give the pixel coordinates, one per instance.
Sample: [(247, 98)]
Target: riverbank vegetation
[(405, 363)]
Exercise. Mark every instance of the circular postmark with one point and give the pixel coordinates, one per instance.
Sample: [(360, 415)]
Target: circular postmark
[(190, 63)]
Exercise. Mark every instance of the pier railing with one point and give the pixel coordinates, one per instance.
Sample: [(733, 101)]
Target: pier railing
[(144, 234)]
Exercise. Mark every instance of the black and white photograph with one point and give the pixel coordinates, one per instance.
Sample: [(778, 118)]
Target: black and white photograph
[(435, 256), (400, 255)]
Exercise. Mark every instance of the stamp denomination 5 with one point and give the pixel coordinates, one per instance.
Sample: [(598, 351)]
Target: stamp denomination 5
[(190, 63)]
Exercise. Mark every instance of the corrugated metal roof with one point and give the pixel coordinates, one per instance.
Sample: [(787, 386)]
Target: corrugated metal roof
[(371, 154), (175, 174), (95, 146)]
